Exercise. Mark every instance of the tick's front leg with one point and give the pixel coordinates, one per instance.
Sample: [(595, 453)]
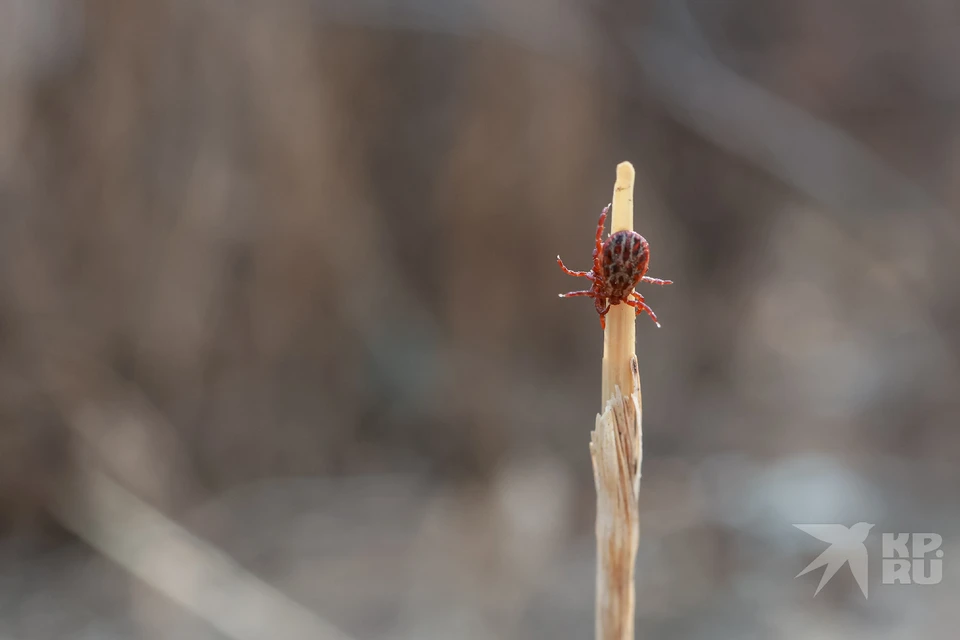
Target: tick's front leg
[(599, 243), (656, 280), (574, 294), (570, 272)]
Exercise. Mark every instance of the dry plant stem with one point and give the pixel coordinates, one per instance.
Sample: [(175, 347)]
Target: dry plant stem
[(616, 452)]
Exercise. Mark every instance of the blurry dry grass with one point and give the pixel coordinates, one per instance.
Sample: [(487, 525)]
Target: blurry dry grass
[(241, 241)]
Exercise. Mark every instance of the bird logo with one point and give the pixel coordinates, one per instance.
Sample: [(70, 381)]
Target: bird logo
[(846, 547)]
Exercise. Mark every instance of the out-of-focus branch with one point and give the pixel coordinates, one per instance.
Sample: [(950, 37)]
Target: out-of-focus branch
[(194, 574), (818, 160)]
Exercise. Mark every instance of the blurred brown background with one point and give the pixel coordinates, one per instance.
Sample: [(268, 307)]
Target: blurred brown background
[(281, 275)]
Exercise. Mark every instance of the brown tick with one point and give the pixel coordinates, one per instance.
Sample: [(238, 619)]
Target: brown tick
[(619, 264)]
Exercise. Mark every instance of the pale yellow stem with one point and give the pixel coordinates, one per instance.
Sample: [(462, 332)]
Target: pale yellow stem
[(616, 452)]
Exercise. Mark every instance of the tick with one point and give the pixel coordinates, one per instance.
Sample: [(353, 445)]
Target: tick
[(619, 264)]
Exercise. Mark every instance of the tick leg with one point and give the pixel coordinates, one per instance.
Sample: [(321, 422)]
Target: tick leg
[(599, 244), (602, 305), (574, 294), (640, 305), (656, 280), (570, 272)]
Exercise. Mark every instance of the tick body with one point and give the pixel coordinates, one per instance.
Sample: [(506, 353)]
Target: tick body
[(619, 264)]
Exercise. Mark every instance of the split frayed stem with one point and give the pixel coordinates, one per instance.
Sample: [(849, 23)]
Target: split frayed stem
[(616, 451)]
